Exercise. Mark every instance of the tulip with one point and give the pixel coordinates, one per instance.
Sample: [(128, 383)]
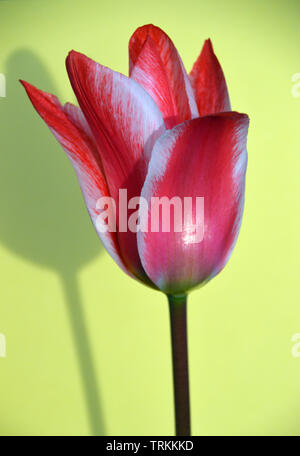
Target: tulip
[(157, 133)]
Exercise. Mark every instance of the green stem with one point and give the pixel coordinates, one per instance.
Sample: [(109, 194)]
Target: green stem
[(177, 306)]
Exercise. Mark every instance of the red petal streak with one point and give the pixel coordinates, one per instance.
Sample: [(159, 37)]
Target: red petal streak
[(155, 63), (71, 130), (204, 157), (208, 82), (125, 122), (150, 73)]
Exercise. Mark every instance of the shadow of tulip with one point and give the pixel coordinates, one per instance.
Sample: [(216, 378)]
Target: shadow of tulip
[(43, 217)]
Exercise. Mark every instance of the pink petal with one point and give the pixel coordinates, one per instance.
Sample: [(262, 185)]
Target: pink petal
[(208, 82), (204, 157), (125, 122), (71, 130), (155, 63)]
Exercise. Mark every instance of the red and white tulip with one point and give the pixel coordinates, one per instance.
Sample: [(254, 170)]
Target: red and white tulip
[(159, 132)]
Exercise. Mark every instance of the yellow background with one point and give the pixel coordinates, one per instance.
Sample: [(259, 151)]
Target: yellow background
[(88, 349)]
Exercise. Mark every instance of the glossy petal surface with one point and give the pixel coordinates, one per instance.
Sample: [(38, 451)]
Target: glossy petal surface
[(204, 157)]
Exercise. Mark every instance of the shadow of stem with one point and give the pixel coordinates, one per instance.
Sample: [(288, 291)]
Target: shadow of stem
[(83, 351)]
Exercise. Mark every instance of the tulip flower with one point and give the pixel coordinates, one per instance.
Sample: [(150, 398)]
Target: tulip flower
[(157, 133)]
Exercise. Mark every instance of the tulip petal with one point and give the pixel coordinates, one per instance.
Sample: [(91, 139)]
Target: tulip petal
[(212, 152), (155, 63), (121, 115), (208, 81), (149, 72), (79, 121), (71, 130), (125, 122)]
